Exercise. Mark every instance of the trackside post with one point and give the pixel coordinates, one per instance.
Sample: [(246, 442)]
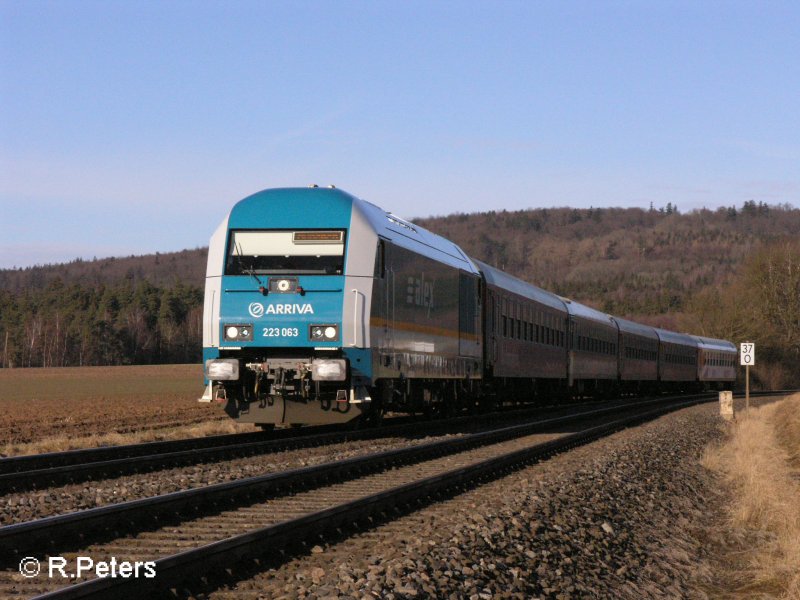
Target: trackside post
[(726, 405), (747, 357)]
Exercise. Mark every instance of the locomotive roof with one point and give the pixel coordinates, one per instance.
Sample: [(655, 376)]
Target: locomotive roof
[(517, 286), (413, 237), (325, 207), (707, 343)]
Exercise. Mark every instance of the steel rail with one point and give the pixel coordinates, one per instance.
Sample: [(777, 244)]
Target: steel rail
[(24, 473), (48, 460), (33, 462), (48, 470), (179, 570), (60, 533)]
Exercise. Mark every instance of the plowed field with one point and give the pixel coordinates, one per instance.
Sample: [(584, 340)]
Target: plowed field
[(61, 408)]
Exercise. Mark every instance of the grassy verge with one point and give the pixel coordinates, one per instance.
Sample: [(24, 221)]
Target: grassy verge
[(60, 443), (758, 551)]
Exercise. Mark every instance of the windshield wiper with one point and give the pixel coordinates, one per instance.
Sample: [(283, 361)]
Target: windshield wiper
[(251, 271)]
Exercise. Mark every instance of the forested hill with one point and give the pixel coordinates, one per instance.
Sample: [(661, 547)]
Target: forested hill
[(186, 266), (649, 265), (623, 260), (630, 262)]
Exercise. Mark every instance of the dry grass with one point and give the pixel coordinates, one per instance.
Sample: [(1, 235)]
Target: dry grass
[(60, 443), (45, 410), (760, 554)]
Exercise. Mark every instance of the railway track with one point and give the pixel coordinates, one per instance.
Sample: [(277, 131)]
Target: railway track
[(40, 471), (48, 460), (219, 527)]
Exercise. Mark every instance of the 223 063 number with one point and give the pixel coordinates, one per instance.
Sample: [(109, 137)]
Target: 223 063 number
[(280, 332)]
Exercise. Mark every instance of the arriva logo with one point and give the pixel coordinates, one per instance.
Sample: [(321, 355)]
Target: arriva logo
[(290, 309), (257, 310)]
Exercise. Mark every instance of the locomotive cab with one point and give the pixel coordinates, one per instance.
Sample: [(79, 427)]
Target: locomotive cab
[(284, 334)]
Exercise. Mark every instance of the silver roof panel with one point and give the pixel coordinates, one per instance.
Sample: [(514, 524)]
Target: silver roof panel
[(498, 278), (627, 326), (707, 343)]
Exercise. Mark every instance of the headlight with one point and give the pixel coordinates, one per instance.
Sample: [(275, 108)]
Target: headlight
[(222, 369), (238, 333), (329, 370), (323, 333), (283, 285)]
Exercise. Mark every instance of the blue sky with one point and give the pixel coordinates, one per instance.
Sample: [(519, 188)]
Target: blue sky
[(129, 127)]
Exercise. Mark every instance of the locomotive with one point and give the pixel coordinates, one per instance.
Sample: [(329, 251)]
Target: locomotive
[(321, 307)]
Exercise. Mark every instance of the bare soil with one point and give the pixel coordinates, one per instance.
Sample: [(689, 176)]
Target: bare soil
[(61, 408)]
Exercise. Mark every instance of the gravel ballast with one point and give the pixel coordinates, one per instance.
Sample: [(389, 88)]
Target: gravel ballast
[(37, 504), (621, 517)]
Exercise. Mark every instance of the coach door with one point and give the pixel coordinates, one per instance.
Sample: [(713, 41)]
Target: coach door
[(387, 274), (469, 314), (571, 341)]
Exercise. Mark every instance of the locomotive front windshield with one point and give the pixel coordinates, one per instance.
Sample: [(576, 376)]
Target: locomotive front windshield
[(299, 252)]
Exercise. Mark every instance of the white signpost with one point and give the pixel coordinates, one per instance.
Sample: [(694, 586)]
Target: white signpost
[(747, 357)]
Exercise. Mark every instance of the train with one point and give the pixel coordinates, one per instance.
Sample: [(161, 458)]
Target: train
[(321, 307)]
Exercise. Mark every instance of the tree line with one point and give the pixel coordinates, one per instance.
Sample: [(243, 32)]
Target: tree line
[(115, 324), (760, 304), (717, 273)]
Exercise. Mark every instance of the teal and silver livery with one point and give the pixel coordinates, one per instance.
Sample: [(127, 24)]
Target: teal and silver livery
[(321, 307)]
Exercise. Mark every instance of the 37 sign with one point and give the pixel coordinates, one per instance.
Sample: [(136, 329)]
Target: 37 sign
[(747, 354)]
